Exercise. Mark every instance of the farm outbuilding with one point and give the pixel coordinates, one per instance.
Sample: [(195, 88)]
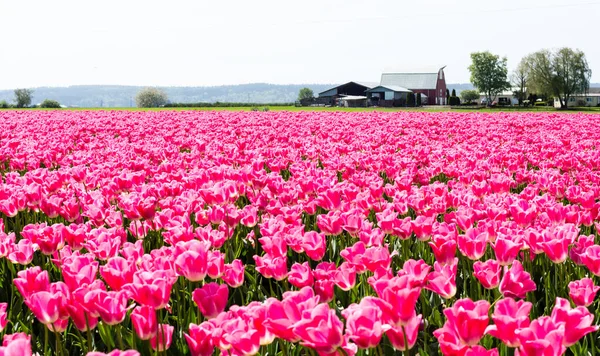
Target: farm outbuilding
[(331, 96), (430, 82), (387, 95), (353, 101)]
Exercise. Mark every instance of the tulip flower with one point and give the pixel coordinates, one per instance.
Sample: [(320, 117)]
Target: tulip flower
[(473, 243), (516, 283), (509, 315), (191, 260), (577, 322), (506, 250), (3, 316), (320, 329), (583, 292), (411, 330), (300, 275), (233, 273), (544, 336), (363, 323), (199, 339), (163, 338), (468, 320), (144, 322), (591, 259), (400, 298), (443, 279), (211, 299), (443, 248), (487, 273)]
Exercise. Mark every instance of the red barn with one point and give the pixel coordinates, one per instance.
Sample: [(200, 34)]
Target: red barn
[(430, 82)]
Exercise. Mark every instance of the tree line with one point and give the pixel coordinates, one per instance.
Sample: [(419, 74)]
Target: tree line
[(560, 73)]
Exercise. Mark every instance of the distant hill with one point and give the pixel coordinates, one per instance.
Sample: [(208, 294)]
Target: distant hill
[(124, 96)]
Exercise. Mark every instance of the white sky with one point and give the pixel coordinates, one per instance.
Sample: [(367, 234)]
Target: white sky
[(197, 43)]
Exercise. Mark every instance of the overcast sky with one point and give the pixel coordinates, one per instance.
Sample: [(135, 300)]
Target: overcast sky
[(197, 43)]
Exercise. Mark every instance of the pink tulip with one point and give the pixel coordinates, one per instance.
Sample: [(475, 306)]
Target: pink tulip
[(577, 252), (416, 270), (233, 273), (144, 322), (216, 264), (591, 259), (16, 345), (3, 316), (363, 323), (22, 252), (443, 279), (314, 245), (583, 292), (487, 273), (516, 283), (211, 299), (396, 334), (46, 306), (556, 242), (191, 260), (114, 353), (117, 272), (578, 321), (473, 243), (111, 306), (78, 270), (150, 288), (400, 299), (444, 248), (481, 351), (543, 337), (468, 319), (199, 339), (320, 329), (283, 315), (272, 267), (300, 275), (506, 250), (163, 338), (509, 316), (345, 276)]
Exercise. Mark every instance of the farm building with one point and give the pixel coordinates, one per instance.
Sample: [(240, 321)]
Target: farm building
[(393, 88), (353, 101), (507, 97), (387, 95), (430, 82), (331, 96), (592, 98)]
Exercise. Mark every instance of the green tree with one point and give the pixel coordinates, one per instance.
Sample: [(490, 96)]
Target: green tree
[(561, 73), (305, 94), (50, 104), (469, 96), (518, 79), (419, 99), (23, 97), (488, 74), (453, 92), (151, 98)]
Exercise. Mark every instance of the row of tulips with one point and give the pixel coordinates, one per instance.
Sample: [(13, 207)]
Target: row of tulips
[(201, 233)]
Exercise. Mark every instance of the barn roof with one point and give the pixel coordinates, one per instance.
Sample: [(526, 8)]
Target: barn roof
[(421, 78), (394, 88), (367, 85)]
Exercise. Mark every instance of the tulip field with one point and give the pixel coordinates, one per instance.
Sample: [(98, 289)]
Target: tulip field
[(299, 233)]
